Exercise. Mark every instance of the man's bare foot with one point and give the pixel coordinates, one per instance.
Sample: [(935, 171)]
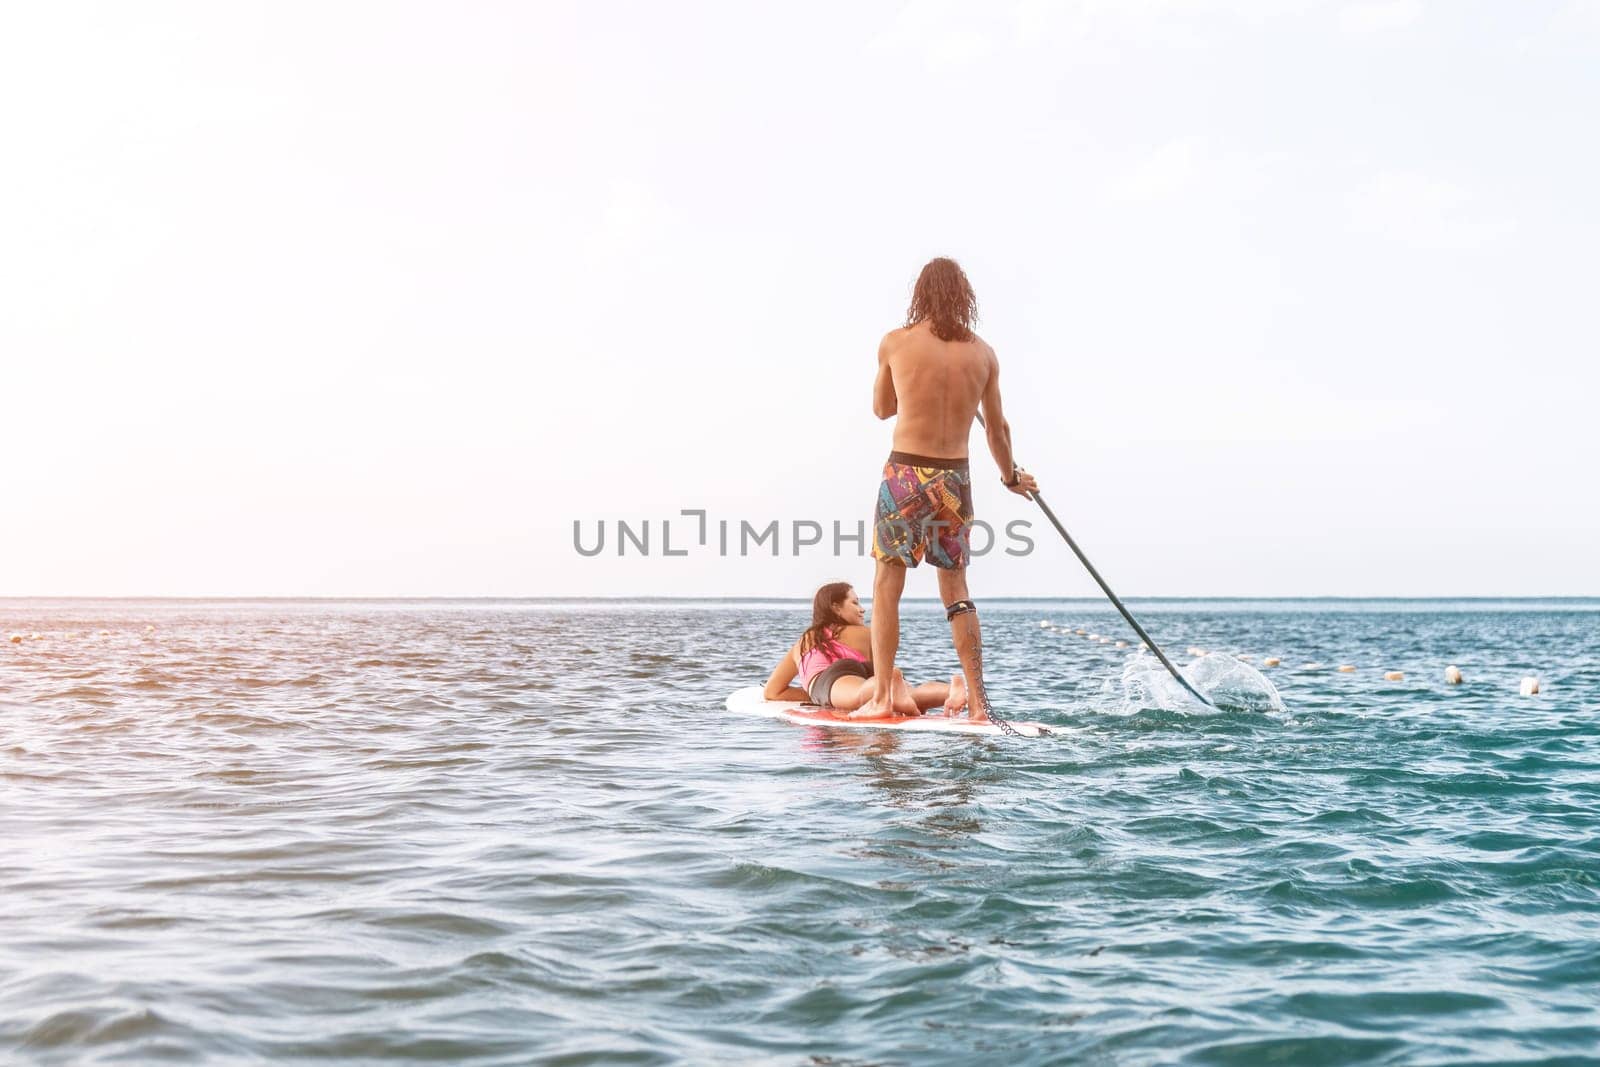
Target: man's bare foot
[(889, 700), (977, 710), (958, 694), (880, 702)]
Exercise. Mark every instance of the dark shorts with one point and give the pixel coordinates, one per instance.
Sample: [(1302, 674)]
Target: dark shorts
[(924, 509), (822, 684)]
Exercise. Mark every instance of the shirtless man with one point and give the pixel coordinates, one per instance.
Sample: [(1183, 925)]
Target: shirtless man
[(933, 373)]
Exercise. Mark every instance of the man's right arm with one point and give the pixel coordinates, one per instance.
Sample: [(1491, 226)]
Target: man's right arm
[(884, 401)]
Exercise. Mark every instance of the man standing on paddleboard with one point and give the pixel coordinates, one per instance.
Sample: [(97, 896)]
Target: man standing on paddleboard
[(933, 374)]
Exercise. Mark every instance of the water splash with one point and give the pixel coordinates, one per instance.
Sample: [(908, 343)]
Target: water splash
[(1229, 683)]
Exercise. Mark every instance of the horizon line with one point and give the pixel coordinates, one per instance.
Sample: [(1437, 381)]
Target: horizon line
[(744, 598)]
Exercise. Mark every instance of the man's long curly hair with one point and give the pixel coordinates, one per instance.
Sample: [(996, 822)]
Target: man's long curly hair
[(943, 298)]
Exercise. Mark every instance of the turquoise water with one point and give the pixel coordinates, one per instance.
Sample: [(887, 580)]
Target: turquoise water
[(501, 833)]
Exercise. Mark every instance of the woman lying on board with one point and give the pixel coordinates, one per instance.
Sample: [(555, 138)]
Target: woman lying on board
[(833, 660)]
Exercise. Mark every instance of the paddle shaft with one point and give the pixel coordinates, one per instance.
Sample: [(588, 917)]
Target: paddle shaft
[(1115, 602)]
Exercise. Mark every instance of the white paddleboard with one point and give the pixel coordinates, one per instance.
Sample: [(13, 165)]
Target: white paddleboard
[(751, 701)]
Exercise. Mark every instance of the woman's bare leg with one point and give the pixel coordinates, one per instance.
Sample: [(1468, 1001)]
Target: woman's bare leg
[(900, 693), (930, 695), (849, 693), (957, 700)]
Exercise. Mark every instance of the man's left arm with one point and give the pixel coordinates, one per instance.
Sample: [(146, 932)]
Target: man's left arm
[(884, 401), (998, 432)]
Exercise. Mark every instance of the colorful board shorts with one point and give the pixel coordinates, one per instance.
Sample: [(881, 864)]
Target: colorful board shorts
[(924, 508)]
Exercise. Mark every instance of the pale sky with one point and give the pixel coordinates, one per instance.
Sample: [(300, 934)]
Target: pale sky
[(1291, 297)]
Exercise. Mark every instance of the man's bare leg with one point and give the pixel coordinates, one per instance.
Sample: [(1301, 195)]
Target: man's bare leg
[(887, 584), (968, 640)]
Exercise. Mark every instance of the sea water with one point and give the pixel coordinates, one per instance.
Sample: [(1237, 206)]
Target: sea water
[(510, 833)]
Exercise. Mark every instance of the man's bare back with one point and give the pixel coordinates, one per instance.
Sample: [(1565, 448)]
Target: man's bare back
[(933, 388)]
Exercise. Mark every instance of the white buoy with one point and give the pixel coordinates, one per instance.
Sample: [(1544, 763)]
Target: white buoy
[(1122, 644), (1311, 666), (1194, 650), (1081, 633), (16, 639), (1530, 687), (149, 629), (1452, 675), (105, 633), (36, 637), (1347, 668), (1044, 624), (1394, 676), (1271, 661), (1245, 657)]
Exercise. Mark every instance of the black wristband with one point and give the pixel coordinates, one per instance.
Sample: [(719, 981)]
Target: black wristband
[(1015, 479)]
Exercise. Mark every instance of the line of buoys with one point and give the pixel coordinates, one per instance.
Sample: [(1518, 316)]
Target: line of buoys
[(1529, 686), (71, 635)]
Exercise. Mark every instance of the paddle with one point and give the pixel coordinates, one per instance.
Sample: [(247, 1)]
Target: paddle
[(1126, 614)]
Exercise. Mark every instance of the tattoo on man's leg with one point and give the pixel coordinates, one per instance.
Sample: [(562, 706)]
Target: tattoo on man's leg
[(982, 693)]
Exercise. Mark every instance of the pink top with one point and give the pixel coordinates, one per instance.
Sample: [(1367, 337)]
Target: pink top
[(819, 657)]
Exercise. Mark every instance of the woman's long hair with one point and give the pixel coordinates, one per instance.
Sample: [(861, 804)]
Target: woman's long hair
[(824, 615), (943, 297)]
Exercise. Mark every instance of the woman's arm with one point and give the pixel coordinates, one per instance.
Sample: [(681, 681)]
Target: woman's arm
[(778, 687)]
